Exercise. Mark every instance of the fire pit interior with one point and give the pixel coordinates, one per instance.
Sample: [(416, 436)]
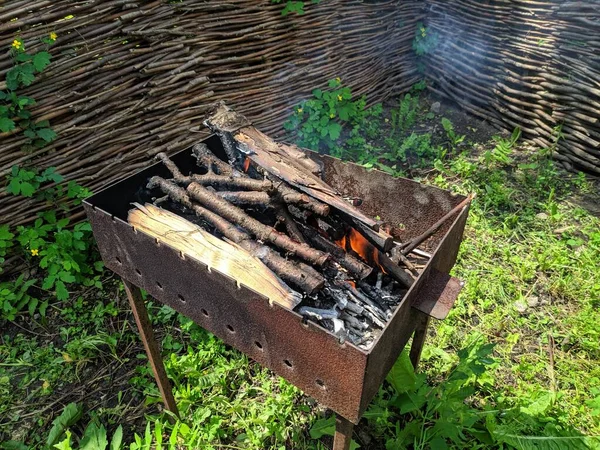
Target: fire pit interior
[(318, 269)]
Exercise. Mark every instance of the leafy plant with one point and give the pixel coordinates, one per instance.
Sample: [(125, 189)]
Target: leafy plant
[(318, 121), (425, 40), (65, 254), (293, 6), (94, 437), (453, 138), (438, 415), (69, 416), (405, 116), (14, 107), (6, 242), (500, 153)]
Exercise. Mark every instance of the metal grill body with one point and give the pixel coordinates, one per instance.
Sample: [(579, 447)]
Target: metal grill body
[(339, 375)]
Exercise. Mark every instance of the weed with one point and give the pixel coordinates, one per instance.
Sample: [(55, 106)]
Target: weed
[(66, 255), (293, 6), (426, 40), (318, 121), (500, 154), (14, 107), (453, 139)]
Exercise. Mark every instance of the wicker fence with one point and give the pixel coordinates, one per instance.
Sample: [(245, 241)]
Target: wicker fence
[(130, 79), (535, 65)]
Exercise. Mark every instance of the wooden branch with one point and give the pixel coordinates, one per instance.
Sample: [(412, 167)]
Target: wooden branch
[(263, 232), (228, 177), (380, 239), (225, 257), (208, 160), (292, 197), (300, 275), (247, 198), (284, 217), (211, 179), (265, 152), (395, 271)]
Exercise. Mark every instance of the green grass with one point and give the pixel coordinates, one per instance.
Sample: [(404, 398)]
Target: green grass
[(530, 260)]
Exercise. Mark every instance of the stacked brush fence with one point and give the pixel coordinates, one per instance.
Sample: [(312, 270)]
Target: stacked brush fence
[(131, 79), (533, 65)]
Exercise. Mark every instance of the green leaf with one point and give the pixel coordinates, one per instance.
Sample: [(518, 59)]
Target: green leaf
[(117, 439), (27, 189), (70, 415), (66, 443), (61, 290), (26, 76), (94, 438), (22, 57), (47, 134), (50, 174), (66, 277), (29, 133), (438, 443), (323, 427), (5, 235), (41, 60), (545, 442), (335, 130), (540, 405), (402, 376), (6, 124)]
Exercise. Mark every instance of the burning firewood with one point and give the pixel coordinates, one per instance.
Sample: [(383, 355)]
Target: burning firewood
[(269, 203)]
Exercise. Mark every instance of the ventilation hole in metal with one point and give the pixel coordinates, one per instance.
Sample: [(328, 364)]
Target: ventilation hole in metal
[(258, 344), (159, 285), (205, 312), (320, 383), (180, 297), (288, 363), (138, 272), (118, 260), (230, 328)]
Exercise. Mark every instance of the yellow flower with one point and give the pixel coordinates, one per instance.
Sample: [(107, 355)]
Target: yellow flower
[(17, 45), (34, 252), (53, 36), (339, 98), (338, 79), (331, 116), (300, 110)]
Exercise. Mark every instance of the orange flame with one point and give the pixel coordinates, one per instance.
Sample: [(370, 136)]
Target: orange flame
[(356, 242), (246, 164)]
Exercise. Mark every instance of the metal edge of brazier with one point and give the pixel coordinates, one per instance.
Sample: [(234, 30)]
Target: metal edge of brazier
[(340, 376), (398, 331), (303, 353)]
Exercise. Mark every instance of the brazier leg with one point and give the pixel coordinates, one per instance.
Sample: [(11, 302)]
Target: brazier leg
[(147, 334), (343, 433), (419, 339)]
